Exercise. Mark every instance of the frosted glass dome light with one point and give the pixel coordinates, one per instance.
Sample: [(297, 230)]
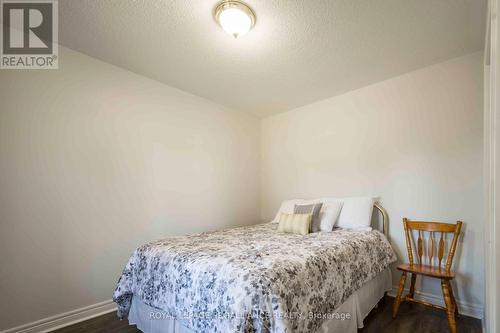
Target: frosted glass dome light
[(235, 17)]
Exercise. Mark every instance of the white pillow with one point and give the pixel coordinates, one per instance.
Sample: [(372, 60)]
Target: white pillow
[(356, 212), (287, 207), (328, 215)]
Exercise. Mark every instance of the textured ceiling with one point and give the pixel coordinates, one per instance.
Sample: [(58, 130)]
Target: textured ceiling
[(300, 51)]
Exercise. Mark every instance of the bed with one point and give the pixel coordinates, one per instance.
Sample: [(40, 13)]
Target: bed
[(256, 279)]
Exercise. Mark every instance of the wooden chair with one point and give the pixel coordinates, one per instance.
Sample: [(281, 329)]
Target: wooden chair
[(433, 268)]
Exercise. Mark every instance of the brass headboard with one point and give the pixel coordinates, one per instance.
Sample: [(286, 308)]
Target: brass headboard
[(385, 219)]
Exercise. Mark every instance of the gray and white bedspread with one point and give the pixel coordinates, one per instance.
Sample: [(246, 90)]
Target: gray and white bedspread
[(252, 279)]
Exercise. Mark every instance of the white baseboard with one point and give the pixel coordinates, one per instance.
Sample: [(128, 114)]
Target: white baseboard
[(65, 319), (465, 308)]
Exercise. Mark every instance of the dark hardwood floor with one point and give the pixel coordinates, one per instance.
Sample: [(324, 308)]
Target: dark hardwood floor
[(411, 318), (415, 318), (107, 323)]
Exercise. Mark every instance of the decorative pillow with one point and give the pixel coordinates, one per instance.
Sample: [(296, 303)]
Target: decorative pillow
[(286, 207), (356, 212), (329, 215), (312, 209), (295, 223)]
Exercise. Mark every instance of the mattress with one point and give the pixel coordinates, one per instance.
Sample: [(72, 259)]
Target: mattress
[(348, 317), (252, 278)]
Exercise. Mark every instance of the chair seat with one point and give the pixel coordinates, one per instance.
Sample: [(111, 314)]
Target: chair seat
[(427, 270)]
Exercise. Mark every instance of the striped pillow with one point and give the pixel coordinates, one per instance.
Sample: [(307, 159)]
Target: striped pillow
[(312, 209), (295, 223)]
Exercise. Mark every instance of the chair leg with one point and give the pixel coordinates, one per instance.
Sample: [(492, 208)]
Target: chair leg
[(411, 294), (397, 301), (450, 306), (453, 298)]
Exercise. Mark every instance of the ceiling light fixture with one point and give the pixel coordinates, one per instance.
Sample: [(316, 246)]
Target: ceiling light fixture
[(235, 17)]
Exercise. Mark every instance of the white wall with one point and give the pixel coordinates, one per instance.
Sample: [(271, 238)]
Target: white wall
[(414, 140), (95, 160)]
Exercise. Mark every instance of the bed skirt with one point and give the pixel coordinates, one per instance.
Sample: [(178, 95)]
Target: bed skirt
[(350, 314)]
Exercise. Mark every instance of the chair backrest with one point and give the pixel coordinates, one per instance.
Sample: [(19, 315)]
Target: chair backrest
[(432, 228)]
